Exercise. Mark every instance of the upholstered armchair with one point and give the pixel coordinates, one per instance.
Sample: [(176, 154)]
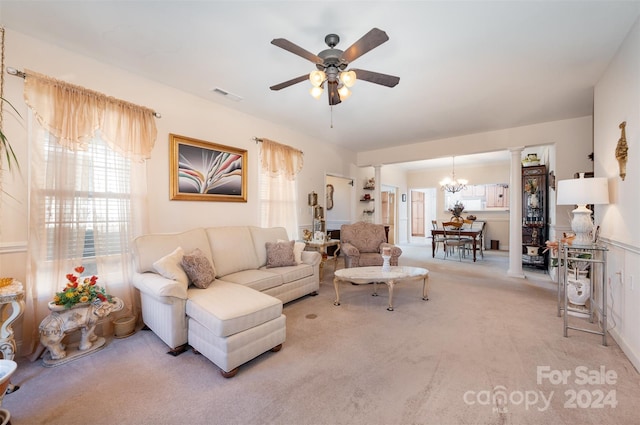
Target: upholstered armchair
[(361, 245)]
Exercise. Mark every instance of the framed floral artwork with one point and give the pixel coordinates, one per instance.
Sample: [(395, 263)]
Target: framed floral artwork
[(204, 171)]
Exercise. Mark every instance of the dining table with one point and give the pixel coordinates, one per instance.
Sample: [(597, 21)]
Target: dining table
[(471, 233)]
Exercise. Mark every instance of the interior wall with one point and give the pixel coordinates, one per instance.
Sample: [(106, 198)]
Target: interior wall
[(497, 221), (182, 114), (617, 99), (343, 189)]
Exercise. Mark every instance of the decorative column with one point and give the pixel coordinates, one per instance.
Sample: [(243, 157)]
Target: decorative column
[(515, 214), (377, 195)]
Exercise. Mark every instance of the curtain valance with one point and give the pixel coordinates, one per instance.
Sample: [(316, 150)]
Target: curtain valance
[(278, 159), (73, 114)]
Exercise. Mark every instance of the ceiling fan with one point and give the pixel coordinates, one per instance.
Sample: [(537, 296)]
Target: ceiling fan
[(332, 66)]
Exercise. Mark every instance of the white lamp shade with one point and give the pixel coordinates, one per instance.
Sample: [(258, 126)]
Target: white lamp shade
[(583, 191)]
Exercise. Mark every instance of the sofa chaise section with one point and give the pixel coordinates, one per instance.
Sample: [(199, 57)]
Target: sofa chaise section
[(239, 315)]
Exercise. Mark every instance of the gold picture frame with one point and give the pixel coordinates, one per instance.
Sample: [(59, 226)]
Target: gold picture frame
[(204, 171)]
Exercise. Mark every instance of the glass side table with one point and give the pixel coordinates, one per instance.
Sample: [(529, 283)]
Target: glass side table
[(582, 288)]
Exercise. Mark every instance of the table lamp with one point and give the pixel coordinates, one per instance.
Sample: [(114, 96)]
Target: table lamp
[(582, 192)]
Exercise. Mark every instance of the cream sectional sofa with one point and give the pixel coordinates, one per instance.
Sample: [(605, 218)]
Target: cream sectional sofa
[(239, 315)]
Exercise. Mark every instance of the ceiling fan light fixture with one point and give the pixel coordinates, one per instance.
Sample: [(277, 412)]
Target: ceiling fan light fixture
[(316, 91), (317, 77), (348, 78), (344, 92)]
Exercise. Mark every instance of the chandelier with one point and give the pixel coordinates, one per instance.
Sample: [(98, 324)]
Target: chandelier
[(451, 184)]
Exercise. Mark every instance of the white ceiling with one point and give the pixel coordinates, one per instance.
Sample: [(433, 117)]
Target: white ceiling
[(464, 67)]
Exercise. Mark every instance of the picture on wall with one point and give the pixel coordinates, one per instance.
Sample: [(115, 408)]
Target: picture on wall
[(204, 171)]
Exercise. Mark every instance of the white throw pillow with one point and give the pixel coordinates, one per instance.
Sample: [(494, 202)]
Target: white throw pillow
[(297, 251), (170, 267)]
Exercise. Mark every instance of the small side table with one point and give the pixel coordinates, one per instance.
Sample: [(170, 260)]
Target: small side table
[(11, 296), (321, 247), (594, 259)]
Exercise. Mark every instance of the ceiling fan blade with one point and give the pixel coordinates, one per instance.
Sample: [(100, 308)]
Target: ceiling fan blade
[(296, 50), (290, 82), (376, 77), (332, 91), (369, 41)]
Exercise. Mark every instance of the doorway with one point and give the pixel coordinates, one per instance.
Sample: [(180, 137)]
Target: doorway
[(423, 211), (388, 205), (339, 195)]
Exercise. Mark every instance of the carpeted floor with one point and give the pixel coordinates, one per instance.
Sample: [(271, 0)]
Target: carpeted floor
[(485, 349)]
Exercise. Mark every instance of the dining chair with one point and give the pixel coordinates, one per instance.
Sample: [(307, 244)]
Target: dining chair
[(437, 239), (453, 239)]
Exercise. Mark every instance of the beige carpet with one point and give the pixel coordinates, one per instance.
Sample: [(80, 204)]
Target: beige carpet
[(469, 355)]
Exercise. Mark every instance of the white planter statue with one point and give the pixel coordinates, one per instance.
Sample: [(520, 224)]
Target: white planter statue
[(83, 317)]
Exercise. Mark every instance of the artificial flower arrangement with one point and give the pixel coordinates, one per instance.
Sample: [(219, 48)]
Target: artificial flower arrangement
[(80, 290), (457, 209), (531, 186)]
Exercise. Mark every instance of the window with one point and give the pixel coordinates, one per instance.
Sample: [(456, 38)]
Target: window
[(97, 214)]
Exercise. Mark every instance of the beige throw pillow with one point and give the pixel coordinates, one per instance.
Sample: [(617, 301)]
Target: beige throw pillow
[(199, 269), (280, 254), (170, 267), (298, 247)]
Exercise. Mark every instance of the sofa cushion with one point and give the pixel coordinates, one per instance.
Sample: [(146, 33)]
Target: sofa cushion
[(149, 248), (280, 254), (291, 274), (226, 308), (259, 280), (170, 267), (232, 249), (262, 235), (198, 268), (298, 249)]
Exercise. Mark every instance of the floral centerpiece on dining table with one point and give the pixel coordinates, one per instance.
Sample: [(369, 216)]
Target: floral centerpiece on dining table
[(457, 209), (80, 290)]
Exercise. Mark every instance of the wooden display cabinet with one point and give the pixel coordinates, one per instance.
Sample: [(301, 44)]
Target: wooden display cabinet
[(534, 215)]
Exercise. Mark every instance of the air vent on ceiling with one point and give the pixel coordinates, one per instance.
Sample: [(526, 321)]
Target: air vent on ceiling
[(226, 94)]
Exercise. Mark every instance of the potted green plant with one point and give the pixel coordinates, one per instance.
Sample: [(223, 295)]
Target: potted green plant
[(5, 146)]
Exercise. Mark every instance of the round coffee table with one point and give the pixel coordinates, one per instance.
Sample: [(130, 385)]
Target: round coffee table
[(375, 275)]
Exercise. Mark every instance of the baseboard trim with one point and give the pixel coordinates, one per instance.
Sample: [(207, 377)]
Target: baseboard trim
[(633, 358)]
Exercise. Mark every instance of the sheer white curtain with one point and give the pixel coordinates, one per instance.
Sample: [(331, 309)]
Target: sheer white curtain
[(278, 187), (87, 197)]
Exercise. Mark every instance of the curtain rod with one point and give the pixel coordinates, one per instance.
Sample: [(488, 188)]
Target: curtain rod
[(23, 75), (260, 140)]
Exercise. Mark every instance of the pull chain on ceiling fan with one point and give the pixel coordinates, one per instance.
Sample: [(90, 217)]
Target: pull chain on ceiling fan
[(332, 66)]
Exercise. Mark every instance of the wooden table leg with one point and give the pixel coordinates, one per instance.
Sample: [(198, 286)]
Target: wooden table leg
[(475, 241)]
